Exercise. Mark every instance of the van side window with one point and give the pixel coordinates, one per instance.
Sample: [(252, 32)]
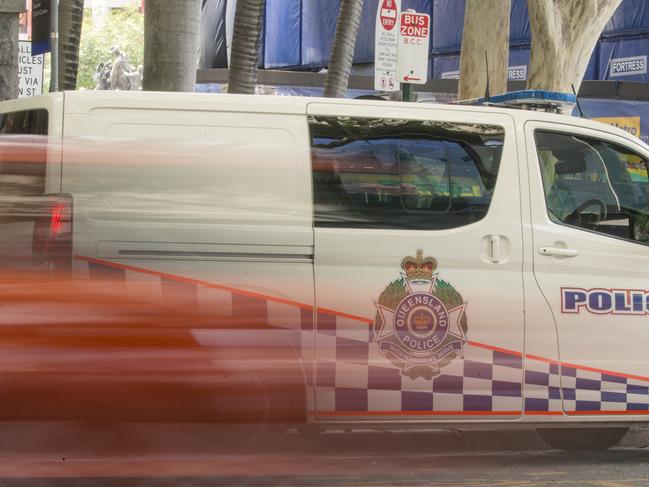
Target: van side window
[(595, 185), (402, 174)]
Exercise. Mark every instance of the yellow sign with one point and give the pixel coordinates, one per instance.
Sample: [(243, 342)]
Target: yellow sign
[(629, 124)]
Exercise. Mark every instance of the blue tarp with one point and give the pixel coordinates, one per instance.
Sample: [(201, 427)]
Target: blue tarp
[(632, 16), (520, 33), (282, 33), (318, 30), (624, 59), (448, 22)]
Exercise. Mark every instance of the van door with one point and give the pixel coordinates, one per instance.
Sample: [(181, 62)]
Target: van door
[(590, 211), (418, 263)]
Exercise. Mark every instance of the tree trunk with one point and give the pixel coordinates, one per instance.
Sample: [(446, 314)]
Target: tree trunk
[(70, 22), (246, 42), (479, 38), (342, 51), (564, 34), (9, 12), (171, 41)]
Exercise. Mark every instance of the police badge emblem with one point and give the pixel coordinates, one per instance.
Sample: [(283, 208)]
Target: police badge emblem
[(420, 323)]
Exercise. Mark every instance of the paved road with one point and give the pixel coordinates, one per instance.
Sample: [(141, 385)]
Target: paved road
[(189, 455)]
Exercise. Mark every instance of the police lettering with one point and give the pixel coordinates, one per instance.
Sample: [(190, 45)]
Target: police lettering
[(604, 301)]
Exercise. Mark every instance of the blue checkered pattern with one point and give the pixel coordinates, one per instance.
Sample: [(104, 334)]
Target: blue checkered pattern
[(351, 375), (584, 390)]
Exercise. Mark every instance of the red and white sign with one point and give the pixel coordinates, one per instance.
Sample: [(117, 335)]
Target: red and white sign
[(388, 14), (412, 54), (386, 45)]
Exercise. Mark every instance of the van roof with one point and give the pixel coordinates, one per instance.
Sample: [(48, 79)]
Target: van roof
[(85, 101)]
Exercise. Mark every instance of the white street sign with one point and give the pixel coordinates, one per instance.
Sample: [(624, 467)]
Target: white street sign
[(385, 45), (30, 71), (414, 39)]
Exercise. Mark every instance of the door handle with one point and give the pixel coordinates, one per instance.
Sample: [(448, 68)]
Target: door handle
[(558, 252)]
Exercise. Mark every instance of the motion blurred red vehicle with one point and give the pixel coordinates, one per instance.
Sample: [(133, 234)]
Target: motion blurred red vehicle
[(86, 350)]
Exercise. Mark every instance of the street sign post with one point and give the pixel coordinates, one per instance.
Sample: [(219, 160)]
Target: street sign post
[(412, 54), (386, 45)]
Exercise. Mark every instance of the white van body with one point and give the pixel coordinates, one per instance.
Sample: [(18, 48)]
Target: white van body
[(547, 323)]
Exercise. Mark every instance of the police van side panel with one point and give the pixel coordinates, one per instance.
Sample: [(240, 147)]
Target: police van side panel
[(201, 204), (589, 190)]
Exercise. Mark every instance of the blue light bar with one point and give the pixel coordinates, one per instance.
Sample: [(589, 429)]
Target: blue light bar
[(549, 101)]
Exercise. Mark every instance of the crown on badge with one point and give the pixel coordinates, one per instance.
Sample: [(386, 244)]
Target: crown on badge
[(420, 267)]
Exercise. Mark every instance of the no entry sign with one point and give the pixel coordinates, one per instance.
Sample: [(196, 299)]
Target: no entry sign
[(412, 54), (386, 45)]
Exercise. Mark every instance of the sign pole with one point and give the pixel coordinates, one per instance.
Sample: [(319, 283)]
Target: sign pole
[(54, 44), (406, 91)]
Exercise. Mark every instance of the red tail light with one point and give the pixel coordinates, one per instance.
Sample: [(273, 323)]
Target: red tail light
[(52, 242)]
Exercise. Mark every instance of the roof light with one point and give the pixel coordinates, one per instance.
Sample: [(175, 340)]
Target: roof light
[(538, 100)]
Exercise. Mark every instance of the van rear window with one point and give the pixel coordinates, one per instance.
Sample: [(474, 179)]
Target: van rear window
[(381, 173), (23, 158)]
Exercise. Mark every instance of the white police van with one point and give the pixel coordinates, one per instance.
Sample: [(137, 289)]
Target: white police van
[(438, 265)]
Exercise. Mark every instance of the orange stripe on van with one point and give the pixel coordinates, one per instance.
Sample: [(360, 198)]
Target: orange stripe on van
[(418, 413), (608, 413), (541, 359), (495, 349)]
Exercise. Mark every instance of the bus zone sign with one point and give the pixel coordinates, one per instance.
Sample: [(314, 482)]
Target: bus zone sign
[(412, 54)]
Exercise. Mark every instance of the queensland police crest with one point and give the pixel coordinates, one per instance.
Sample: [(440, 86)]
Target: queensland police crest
[(420, 323)]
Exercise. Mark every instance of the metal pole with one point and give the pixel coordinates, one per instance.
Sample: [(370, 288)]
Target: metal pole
[(54, 44), (406, 89)]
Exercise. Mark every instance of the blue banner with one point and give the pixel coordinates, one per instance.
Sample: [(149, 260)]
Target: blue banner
[(448, 66), (624, 59), (632, 16)]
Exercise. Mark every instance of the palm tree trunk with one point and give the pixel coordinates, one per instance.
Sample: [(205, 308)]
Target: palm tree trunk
[(70, 22), (477, 40), (171, 41), (342, 51), (246, 42)]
